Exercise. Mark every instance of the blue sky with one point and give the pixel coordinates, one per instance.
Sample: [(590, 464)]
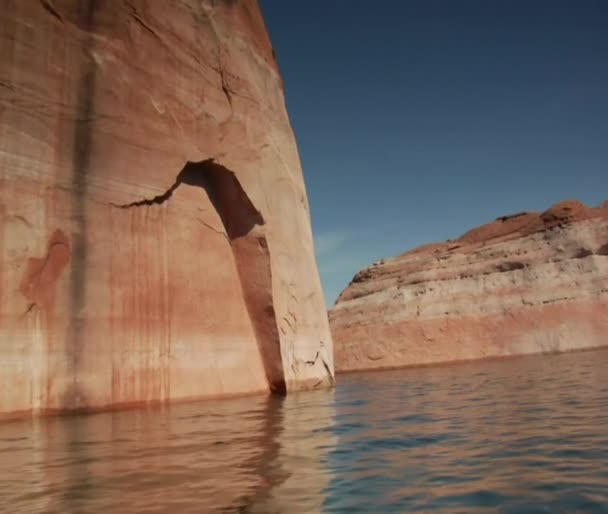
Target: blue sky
[(419, 119)]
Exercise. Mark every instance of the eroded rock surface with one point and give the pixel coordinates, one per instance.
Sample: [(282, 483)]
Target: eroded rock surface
[(525, 283), (155, 237)]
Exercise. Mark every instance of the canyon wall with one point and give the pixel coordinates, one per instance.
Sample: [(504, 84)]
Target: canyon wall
[(155, 239), (526, 283)]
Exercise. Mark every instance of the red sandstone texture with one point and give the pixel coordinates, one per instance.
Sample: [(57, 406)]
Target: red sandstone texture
[(155, 239), (525, 283)]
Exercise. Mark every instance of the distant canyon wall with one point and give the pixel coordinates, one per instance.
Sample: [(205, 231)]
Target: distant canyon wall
[(155, 239), (526, 283)]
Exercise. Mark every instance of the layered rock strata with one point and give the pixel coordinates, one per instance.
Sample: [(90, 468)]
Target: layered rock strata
[(155, 239), (526, 283)]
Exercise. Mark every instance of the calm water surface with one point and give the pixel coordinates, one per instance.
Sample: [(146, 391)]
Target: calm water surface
[(526, 435)]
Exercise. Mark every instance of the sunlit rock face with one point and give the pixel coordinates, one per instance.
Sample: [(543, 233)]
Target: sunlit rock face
[(526, 283), (155, 239)]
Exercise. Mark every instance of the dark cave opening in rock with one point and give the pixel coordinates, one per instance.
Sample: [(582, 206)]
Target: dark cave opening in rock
[(244, 227)]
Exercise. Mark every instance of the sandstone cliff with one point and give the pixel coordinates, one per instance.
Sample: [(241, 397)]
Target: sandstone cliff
[(155, 237), (526, 283)]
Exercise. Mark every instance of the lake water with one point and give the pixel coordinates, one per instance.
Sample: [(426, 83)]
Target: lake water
[(522, 435)]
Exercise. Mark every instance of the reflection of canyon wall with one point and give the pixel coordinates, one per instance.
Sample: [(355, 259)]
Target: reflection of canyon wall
[(528, 283), (155, 237), (255, 455), (301, 473)]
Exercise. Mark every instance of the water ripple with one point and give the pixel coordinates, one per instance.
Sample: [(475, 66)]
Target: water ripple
[(510, 437)]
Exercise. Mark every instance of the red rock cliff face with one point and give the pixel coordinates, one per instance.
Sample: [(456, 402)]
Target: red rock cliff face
[(527, 283), (155, 238)]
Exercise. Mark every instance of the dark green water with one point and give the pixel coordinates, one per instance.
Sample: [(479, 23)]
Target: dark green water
[(524, 435)]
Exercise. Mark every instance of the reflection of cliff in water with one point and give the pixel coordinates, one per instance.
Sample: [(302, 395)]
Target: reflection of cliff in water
[(299, 472), (246, 455)]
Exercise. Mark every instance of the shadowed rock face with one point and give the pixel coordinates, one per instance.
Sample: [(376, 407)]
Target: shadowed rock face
[(525, 283), (154, 230)]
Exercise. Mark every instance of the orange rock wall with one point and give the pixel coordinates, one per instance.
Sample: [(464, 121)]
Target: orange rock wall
[(155, 237), (527, 283)]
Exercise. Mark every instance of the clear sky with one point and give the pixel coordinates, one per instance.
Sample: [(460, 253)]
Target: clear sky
[(419, 119)]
